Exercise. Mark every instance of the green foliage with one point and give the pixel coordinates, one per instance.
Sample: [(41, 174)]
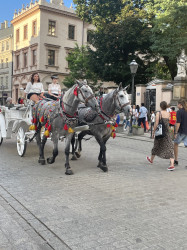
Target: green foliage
[(79, 66), (144, 30)]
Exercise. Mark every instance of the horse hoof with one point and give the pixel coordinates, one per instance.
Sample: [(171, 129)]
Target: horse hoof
[(41, 161), (103, 167), (50, 160), (78, 155), (69, 171), (73, 158)]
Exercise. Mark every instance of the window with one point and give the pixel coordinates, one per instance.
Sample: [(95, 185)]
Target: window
[(25, 32), (34, 57), (3, 46), (6, 62), (52, 28), (51, 57), (1, 80), (6, 82), (71, 32), (88, 36), (17, 62), (7, 45), (25, 59), (34, 28), (17, 36)]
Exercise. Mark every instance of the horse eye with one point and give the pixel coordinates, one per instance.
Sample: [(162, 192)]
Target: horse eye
[(121, 96)]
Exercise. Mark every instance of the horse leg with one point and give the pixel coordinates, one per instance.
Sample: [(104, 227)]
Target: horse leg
[(40, 146), (80, 137), (67, 149), (73, 148), (102, 156), (51, 159)]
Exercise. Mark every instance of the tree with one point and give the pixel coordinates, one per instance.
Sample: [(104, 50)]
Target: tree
[(169, 32), (79, 65)]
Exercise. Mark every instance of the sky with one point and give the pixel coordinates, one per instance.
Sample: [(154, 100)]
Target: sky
[(7, 7)]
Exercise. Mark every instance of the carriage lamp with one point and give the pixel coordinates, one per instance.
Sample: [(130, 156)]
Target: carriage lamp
[(133, 68)]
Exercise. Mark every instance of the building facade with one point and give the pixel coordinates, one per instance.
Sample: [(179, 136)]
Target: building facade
[(6, 47), (44, 34), (152, 93)]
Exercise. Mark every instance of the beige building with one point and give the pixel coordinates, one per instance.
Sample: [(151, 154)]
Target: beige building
[(6, 47), (44, 34)]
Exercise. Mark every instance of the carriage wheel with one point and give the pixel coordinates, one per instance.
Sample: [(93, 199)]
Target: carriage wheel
[(1, 138), (21, 142)]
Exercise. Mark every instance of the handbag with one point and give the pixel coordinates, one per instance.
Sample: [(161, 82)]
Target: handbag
[(160, 130)]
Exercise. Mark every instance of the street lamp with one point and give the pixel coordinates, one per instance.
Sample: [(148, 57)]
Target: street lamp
[(2, 87), (133, 68)]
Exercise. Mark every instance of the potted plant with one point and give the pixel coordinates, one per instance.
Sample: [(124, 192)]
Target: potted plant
[(137, 130)]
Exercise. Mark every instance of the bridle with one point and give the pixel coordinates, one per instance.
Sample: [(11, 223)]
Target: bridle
[(84, 98), (115, 97)]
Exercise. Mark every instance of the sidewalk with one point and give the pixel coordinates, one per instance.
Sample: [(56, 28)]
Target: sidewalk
[(145, 137)]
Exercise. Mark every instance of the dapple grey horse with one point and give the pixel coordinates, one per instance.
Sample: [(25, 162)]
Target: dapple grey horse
[(60, 120), (113, 103)]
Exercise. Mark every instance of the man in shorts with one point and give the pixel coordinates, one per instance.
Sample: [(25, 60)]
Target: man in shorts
[(181, 128)]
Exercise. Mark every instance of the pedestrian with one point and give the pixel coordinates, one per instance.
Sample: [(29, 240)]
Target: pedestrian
[(137, 112), (34, 89), (9, 103), (142, 116), (153, 118), (168, 108), (181, 128), (163, 147), (172, 121), (133, 115), (54, 88)]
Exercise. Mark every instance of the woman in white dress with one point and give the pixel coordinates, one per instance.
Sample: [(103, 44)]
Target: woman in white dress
[(54, 88), (34, 89)]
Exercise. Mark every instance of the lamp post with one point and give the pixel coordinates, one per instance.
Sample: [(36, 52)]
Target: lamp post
[(133, 68), (2, 88)]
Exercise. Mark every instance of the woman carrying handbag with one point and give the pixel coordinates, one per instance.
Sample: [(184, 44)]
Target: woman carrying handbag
[(163, 145)]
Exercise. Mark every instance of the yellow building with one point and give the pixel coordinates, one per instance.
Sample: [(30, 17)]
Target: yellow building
[(6, 46), (44, 33)]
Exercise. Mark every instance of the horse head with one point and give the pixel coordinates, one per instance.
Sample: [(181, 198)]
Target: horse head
[(122, 99), (85, 95)]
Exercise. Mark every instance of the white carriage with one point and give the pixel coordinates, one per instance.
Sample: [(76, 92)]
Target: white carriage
[(16, 120)]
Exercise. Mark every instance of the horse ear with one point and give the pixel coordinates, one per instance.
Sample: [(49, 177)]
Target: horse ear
[(126, 88), (85, 81), (120, 86)]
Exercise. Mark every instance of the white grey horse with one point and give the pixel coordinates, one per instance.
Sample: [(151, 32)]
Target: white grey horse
[(60, 119), (113, 103)]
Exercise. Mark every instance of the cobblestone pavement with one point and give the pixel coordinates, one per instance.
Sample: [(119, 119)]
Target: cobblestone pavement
[(133, 206)]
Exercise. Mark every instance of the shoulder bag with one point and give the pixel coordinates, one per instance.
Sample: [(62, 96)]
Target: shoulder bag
[(160, 130)]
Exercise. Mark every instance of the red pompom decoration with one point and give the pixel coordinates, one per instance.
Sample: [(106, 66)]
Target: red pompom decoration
[(75, 92), (42, 118), (114, 135), (49, 128), (46, 125), (108, 125), (116, 125), (65, 127), (50, 110)]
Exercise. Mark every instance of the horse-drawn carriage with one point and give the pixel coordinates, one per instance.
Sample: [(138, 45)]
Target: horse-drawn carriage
[(16, 120)]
